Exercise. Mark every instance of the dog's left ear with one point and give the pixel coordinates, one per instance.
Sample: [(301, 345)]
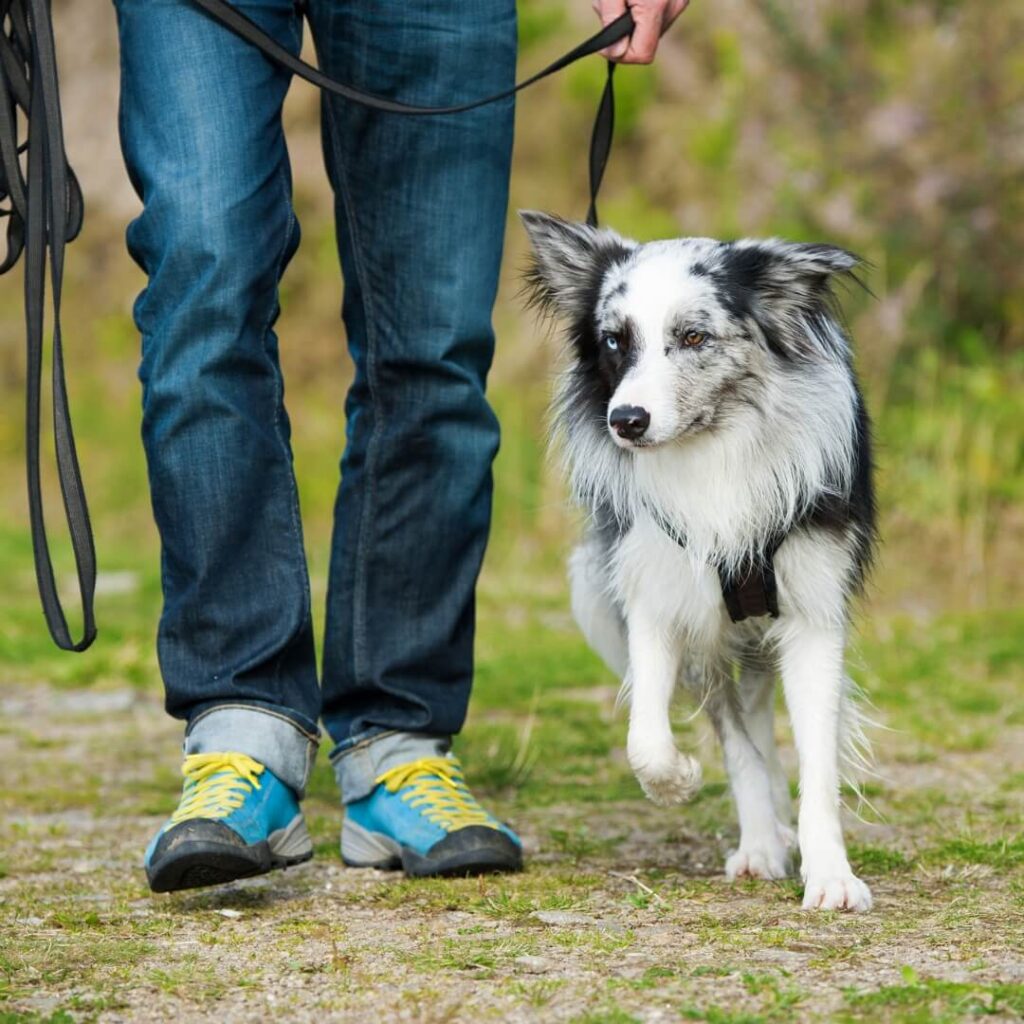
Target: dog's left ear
[(569, 260), (787, 289)]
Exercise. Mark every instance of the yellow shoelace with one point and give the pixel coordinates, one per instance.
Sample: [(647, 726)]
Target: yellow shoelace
[(436, 785), (215, 785)]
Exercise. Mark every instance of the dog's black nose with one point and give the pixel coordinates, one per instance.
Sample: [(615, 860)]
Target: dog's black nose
[(629, 421)]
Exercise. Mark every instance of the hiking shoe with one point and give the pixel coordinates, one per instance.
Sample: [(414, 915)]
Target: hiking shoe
[(422, 817), (236, 819)]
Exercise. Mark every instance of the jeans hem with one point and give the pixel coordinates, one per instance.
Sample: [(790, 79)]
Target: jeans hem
[(365, 757), (266, 735)]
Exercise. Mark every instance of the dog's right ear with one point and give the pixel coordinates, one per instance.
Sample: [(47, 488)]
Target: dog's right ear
[(568, 262)]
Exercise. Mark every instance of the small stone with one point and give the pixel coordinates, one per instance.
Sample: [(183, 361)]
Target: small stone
[(533, 964), (228, 912), (563, 918)]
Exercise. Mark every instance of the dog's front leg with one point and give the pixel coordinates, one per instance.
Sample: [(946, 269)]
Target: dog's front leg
[(812, 677), (666, 775)]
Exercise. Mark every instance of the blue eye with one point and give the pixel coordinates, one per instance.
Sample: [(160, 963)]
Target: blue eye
[(611, 342)]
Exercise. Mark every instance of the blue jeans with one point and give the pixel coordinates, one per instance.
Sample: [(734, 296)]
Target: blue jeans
[(420, 207)]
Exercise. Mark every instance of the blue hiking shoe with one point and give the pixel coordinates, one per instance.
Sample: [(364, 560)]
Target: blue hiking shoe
[(236, 819), (422, 817)]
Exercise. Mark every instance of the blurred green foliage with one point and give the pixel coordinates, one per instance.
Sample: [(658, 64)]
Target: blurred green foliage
[(891, 127)]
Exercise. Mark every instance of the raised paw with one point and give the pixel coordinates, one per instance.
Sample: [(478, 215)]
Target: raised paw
[(670, 778), (836, 892)]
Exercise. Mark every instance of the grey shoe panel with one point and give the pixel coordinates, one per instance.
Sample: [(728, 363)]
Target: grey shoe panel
[(292, 843), (361, 848)]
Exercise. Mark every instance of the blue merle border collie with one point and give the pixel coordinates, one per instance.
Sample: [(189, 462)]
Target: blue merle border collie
[(712, 425)]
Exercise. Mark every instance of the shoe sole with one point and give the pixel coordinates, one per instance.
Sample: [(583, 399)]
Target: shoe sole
[(361, 848), (199, 863)]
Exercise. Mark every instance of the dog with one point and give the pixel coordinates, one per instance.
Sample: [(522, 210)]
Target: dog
[(713, 429)]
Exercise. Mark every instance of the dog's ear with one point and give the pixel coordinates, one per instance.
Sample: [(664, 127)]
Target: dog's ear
[(568, 262), (786, 288)]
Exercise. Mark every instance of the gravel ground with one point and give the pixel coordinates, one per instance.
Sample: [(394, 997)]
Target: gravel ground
[(622, 915)]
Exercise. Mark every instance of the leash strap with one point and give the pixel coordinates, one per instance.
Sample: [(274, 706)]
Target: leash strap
[(601, 138), (44, 212), (749, 593)]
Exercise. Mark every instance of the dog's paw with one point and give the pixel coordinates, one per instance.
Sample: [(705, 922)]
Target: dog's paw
[(671, 778), (839, 891), (768, 860)]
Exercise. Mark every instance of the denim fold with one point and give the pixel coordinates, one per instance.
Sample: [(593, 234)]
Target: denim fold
[(267, 736), (358, 767)]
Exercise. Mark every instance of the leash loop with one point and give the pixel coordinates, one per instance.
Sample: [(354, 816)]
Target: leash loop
[(44, 212)]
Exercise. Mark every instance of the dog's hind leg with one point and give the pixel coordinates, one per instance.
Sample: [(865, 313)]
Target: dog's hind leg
[(765, 841), (666, 775), (756, 707), (592, 607), (812, 676)]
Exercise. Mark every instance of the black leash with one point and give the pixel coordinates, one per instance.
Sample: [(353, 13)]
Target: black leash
[(601, 137), (44, 212)]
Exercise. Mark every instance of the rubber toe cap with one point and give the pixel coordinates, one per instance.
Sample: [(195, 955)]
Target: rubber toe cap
[(473, 850), (203, 852)]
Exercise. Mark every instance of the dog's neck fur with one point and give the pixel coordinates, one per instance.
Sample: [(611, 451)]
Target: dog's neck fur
[(730, 488)]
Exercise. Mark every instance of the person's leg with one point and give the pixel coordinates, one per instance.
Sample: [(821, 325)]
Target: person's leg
[(421, 208), (201, 131)]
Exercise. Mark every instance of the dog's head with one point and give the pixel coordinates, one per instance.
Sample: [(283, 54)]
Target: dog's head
[(672, 339)]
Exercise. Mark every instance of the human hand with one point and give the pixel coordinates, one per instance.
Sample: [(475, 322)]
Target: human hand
[(652, 18)]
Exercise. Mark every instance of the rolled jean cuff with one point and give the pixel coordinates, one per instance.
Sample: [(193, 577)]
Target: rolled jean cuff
[(358, 765), (264, 735)]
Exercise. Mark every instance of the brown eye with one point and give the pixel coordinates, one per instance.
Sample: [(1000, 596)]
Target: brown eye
[(691, 339)]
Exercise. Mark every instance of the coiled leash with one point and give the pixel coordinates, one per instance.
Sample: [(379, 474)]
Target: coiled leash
[(44, 212)]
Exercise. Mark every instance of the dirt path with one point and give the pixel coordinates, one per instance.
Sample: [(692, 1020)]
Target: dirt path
[(622, 916)]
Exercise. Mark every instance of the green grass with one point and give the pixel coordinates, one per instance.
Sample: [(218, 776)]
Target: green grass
[(932, 1001)]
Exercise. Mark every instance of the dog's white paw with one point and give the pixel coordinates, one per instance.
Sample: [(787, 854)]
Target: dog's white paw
[(767, 860), (787, 835), (667, 778), (839, 891)]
